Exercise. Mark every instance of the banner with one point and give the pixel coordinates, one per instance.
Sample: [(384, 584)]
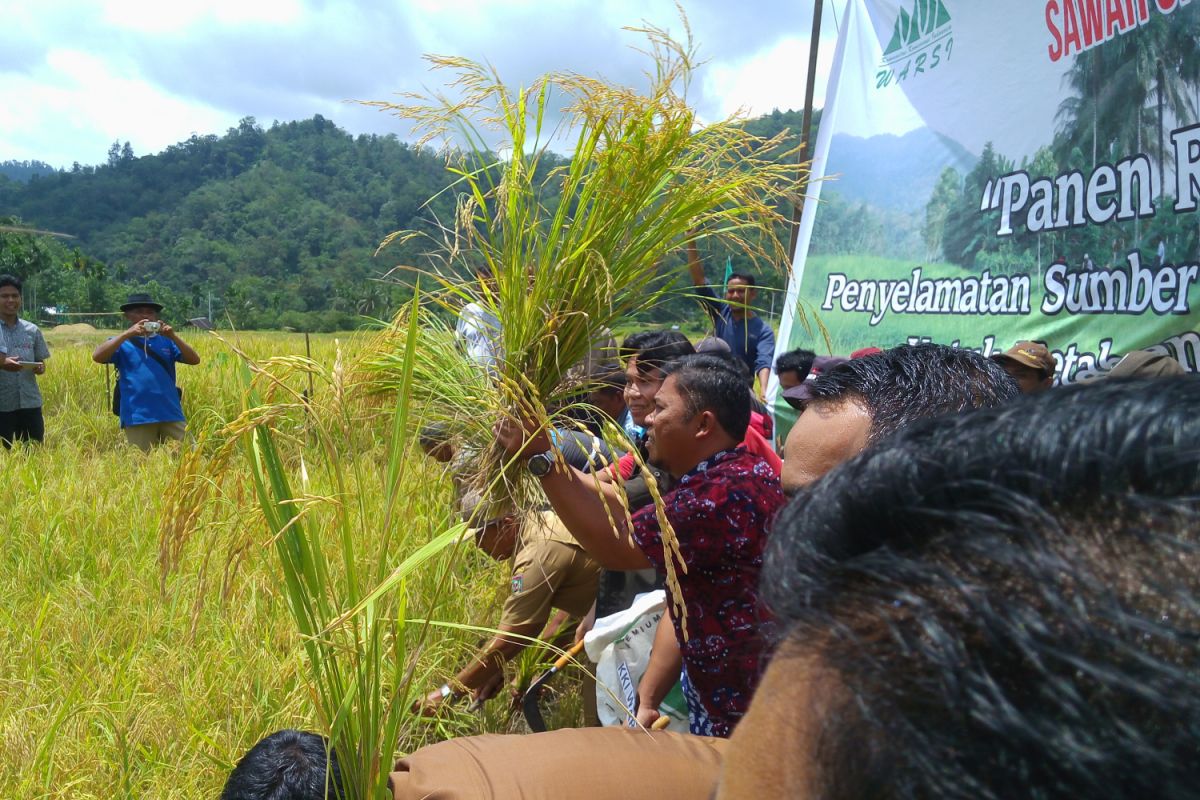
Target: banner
[(1003, 171)]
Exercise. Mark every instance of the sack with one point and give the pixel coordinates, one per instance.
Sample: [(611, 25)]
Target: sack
[(620, 644)]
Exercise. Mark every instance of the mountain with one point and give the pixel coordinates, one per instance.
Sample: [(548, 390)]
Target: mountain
[(279, 226), (857, 165), (275, 224), (23, 171)]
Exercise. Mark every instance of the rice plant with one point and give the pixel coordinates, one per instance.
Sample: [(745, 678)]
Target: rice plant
[(574, 248)]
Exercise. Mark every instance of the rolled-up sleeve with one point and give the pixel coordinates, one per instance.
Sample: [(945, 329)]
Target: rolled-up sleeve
[(765, 347)]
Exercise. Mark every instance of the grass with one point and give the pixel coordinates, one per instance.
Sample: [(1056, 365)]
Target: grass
[(117, 682), (288, 568)]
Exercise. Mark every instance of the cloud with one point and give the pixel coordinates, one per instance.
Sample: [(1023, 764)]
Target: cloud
[(768, 79), (161, 70)]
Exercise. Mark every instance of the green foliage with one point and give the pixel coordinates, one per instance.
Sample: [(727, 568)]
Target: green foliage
[(25, 171), (1122, 95), (256, 222)]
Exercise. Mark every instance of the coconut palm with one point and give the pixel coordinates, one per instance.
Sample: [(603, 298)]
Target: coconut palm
[(1116, 85)]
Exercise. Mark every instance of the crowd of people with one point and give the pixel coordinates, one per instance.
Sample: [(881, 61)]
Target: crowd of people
[(955, 580), (146, 397)]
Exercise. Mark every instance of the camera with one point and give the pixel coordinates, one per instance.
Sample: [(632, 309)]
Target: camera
[(151, 327)]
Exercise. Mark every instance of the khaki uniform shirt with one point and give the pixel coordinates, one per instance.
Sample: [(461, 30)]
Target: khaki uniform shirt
[(550, 570)]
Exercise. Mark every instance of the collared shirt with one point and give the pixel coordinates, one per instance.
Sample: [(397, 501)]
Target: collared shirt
[(23, 341), (750, 339), (721, 511)]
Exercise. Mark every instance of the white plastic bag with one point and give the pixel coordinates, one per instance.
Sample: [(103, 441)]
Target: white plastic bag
[(620, 646)]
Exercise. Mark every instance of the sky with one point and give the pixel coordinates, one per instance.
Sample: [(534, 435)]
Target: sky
[(77, 75)]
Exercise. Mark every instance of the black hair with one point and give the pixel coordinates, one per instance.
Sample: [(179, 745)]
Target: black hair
[(712, 383), (10, 280), (653, 349), (609, 379), (751, 283), (287, 765), (434, 434), (1006, 601), (910, 382), (735, 363), (799, 361)]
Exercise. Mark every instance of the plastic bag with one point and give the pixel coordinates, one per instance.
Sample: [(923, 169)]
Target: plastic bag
[(620, 646)]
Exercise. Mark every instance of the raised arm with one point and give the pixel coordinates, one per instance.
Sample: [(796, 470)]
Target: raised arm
[(590, 509), (186, 354), (700, 281), (106, 350)]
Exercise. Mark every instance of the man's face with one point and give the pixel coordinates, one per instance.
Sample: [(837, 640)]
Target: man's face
[(10, 301), (609, 399), (640, 390), (138, 313), (738, 293), (825, 435), (789, 379), (671, 436), (1030, 380)]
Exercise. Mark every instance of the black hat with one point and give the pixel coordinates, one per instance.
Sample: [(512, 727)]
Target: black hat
[(141, 299)]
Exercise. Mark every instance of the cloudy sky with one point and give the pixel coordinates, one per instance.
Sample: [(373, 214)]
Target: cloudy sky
[(75, 75)]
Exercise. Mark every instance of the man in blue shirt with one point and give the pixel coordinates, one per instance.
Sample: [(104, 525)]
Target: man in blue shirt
[(748, 336), (145, 356)]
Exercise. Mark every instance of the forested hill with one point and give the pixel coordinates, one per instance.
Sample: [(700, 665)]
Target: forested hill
[(272, 227), (24, 170), (270, 223)]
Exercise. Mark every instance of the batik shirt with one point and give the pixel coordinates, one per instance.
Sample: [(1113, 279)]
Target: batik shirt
[(721, 512)]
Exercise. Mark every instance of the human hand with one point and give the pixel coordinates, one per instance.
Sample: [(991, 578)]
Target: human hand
[(136, 329), (430, 705), (11, 364), (647, 716), (166, 330), (488, 690), (40, 369), (516, 436), (585, 624)]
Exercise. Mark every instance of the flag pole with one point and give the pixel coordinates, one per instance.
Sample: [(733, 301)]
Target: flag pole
[(814, 42)]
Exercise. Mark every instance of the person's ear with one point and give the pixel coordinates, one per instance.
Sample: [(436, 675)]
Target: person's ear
[(705, 424)]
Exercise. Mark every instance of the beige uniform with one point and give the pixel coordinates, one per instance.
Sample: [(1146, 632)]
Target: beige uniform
[(550, 570), (571, 762)]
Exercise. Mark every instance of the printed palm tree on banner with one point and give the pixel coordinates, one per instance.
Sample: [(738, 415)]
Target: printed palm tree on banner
[(1125, 89)]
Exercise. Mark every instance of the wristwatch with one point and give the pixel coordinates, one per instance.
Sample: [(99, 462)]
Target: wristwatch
[(540, 464)]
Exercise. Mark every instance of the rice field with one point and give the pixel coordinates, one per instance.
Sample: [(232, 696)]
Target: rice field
[(120, 679)]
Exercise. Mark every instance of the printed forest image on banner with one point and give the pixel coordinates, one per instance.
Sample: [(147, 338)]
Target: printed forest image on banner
[(1006, 171)]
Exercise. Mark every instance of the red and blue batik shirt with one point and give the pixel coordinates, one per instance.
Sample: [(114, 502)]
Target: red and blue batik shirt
[(721, 512)]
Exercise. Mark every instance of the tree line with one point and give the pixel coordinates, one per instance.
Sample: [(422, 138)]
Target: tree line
[(263, 227), (1123, 96)]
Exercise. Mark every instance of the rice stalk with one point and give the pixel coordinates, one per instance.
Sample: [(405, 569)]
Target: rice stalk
[(575, 247)]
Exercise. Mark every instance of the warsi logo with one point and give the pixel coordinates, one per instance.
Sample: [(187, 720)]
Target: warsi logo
[(1079, 25), (921, 40)]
